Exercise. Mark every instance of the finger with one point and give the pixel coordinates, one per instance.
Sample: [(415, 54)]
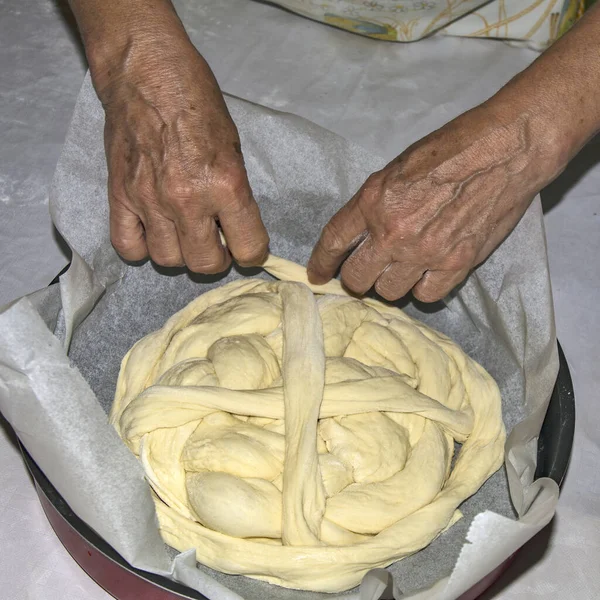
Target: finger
[(345, 229), (201, 246), (162, 240), (435, 285), (246, 236), (397, 280), (364, 266), (127, 232)]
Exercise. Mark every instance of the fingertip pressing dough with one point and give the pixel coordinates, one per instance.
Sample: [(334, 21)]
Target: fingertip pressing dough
[(297, 435)]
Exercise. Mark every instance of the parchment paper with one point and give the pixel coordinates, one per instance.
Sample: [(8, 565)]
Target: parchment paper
[(300, 174)]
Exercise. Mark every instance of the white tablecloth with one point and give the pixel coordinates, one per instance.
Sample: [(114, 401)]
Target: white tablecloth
[(40, 74)]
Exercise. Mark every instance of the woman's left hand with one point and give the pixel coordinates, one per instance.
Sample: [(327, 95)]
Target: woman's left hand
[(440, 208)]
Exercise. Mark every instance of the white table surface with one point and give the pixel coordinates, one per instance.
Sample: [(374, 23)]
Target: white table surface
[(41, 68)]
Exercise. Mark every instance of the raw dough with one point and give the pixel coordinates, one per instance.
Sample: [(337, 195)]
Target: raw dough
[(298, 435)]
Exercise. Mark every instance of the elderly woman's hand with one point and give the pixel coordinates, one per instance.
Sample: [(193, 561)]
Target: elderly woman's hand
[(435, 212), (175, 164)]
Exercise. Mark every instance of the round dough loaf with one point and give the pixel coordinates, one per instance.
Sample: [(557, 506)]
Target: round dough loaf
[(297, 435)]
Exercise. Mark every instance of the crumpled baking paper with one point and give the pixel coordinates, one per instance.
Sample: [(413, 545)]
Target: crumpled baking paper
[(300, 174)]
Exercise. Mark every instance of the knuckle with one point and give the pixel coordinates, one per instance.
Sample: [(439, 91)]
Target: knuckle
[(372, 190), (427, 295), (206, 266), (122, 245), (374, 181), (454, 262), (352, 280), (178, 190), (141, 193), (217, 185), (231, 185), (332, 241), (462, 257), (430, 290), (166, 259), (251, 255), (387, 290), (234, 175)]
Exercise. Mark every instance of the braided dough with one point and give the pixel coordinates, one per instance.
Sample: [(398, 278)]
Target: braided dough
[(297, 435)]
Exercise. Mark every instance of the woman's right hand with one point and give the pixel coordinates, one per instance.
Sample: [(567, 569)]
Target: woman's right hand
[(175, 165)]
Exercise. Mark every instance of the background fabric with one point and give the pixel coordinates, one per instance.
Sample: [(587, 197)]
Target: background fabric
[(536, 22)]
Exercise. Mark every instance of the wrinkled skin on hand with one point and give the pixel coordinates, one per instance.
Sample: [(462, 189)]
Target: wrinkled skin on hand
[(438, 210), (175, 164)]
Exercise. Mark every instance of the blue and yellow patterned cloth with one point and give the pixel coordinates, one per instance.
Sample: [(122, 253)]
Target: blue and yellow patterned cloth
[(536, 23)]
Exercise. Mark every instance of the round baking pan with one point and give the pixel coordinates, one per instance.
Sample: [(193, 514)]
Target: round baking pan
[(123, 582)]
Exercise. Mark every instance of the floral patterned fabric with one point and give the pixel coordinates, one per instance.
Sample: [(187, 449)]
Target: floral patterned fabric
[(536, 23)]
